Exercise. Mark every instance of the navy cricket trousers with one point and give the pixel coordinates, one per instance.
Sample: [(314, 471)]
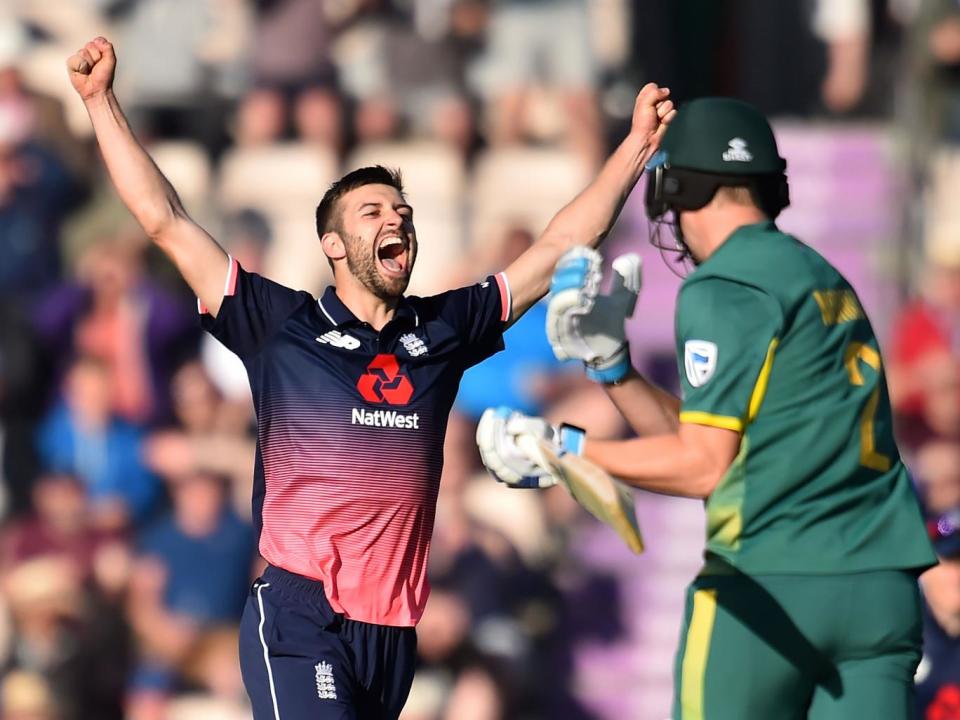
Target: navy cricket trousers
[(302, 660)]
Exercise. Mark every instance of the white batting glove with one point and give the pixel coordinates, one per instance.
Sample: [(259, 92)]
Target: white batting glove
[(497, 435), (582, 323)]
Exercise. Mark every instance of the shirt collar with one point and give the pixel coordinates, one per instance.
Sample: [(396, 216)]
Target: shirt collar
[(339, 314), (738, 234)]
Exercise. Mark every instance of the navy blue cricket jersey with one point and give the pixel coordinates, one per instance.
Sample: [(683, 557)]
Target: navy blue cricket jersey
[(350, 434)]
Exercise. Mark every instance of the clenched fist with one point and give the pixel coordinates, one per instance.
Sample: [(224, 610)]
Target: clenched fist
[(652, 113), (91, 68)]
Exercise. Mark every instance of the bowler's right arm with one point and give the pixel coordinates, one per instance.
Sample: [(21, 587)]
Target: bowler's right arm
[(143, 188)]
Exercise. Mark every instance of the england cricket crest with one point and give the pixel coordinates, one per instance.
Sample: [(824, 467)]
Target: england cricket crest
[(699, 361), (326, 687)]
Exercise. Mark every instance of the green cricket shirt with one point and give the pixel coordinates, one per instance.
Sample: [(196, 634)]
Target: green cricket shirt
[(772, 342)]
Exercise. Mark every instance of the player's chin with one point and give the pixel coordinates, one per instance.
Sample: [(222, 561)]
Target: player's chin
[(394, 284), (395, 279)]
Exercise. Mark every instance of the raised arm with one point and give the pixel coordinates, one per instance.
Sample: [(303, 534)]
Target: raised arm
[(144, 190), (588, 218)]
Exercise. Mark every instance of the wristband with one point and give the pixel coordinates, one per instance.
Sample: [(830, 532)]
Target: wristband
[(613, 373), (572, 439)]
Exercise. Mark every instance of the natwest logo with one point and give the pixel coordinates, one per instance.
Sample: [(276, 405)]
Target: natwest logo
[(383, 382), (385, 419)]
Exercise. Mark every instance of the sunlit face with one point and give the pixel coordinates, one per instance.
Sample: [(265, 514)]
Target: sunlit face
[(379, 238)]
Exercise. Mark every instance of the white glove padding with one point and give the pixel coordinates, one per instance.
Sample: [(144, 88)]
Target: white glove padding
[(582, 323), (508, 464)]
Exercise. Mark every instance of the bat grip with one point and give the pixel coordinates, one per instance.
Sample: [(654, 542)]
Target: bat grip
[(530, 446)]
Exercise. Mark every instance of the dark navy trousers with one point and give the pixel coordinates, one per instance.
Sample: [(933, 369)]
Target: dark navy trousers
[(302, 660)]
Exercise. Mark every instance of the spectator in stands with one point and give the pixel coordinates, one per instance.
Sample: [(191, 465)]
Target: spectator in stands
[(295, 87), (36, 194), (493, 633), (545, 43), (26, 696), (82, 436), (60, 525), (115, 312), (210, 436), (931, 107), (425, 76), (22, 384), (66, 636), (41, 115), (937, 472), (190, 580), (185, 65), (844, 26), (938, 675), (926, 332), (468, 680)]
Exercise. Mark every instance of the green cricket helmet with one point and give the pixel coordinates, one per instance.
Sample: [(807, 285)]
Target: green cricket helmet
[(711, 143)]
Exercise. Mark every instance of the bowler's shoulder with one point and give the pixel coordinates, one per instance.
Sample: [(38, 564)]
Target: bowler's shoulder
[(459, 299)]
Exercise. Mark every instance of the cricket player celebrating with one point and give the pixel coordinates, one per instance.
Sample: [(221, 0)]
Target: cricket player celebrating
[(807, 605), (352, 392)]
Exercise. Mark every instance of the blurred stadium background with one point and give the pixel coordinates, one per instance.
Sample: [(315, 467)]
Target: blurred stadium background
[(126, 439)]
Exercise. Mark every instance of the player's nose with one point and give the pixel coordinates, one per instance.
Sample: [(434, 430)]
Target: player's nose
[(393, 220)]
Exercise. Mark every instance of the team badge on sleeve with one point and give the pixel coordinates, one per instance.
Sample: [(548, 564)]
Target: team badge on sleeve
[(699, 361)]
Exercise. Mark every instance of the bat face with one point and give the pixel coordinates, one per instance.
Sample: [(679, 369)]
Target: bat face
[(602, 495)]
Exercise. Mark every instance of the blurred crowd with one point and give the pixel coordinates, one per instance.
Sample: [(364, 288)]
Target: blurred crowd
[(127, 439)]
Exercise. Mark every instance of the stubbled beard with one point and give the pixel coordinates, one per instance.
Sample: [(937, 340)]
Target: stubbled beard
[(362, 264)]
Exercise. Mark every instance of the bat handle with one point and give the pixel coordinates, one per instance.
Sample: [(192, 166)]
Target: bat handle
[(530, 446)]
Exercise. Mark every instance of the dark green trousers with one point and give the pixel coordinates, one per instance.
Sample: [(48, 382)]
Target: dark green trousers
[(792, 647)]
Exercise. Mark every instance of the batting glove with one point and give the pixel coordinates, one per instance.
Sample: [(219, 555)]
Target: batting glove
[(497, 438), (582, 323)]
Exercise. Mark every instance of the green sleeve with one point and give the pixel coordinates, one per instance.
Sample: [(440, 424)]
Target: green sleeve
[(726, 336)]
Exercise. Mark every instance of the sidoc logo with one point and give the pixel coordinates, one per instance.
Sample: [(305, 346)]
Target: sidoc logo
[(383, 382)]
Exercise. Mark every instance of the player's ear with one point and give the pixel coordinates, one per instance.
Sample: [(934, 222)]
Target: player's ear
[(333, 246)]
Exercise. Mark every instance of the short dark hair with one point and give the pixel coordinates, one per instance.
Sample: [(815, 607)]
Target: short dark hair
[(328, 215)]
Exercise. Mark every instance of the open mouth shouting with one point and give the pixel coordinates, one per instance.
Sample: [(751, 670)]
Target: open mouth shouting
[(393, 255)]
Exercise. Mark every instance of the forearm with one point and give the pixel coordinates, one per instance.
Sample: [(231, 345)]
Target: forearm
[(689, 462), (650, 410), (142, 187), (661, 464)]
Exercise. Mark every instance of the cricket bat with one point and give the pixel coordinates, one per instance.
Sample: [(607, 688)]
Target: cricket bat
[(602, 495)]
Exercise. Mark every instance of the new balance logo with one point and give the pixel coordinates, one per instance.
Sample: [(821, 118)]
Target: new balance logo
[(326, 688), (737, 152), (335, 338), (384, 418), (413, 345)]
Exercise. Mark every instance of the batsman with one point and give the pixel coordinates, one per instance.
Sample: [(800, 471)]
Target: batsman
[(807, 605)]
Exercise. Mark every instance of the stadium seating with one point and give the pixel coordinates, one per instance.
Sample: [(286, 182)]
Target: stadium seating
[(187, 167), (521, 185), (285, 182)]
